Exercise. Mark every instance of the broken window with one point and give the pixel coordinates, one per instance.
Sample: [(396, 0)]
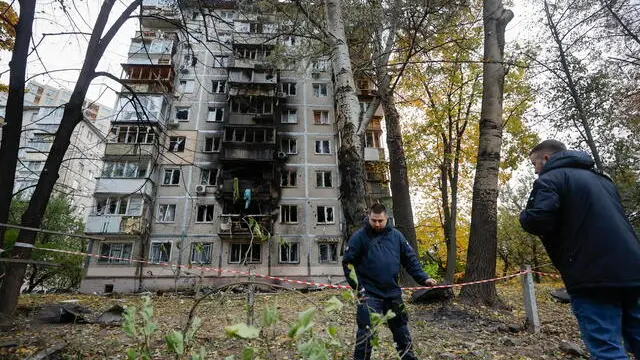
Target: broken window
[(182, 113), (208, 177), (176, 143), (289, 146), (160, 252), (201, 253), (372, 139), (205, 214), (289, 214), (120, 253), (325, 214), (211, 144), (215, 114), (289, 253), (166, 213), (289, 89), (171, 177), (244, 252), (219, 86), (328, 252), (288, 178)]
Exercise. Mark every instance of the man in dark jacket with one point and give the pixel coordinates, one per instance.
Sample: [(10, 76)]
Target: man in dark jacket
[(376, 253), (577, 213)]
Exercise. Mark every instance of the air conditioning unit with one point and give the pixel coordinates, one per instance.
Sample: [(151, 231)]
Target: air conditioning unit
[(280, 94), (201, 189), (172, 123), (315, 74), (184, 69), (281, 155)]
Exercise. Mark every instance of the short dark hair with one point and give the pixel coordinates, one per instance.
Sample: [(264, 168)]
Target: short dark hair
[(378, 208), (552, 146)]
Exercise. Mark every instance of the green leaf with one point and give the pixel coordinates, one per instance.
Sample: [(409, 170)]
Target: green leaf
[(196, 323), (270, 316), (306, 316), (231, 357), (332, 330), (333, 304), (303, 324), (132, 354), (175, 342), (129, 324), (248, 353), (352, 274), (243, 331)]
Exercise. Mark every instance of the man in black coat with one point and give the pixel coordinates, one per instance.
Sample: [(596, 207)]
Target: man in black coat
[(577, 213), (376, 253)]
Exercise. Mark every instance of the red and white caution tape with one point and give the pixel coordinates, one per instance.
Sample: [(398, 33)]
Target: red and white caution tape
[(300, 282)]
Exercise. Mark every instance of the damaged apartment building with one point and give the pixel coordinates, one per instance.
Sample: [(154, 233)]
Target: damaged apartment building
[(224, 157)]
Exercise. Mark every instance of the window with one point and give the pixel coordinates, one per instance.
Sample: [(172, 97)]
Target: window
[(289, 116), (205, 214), (328, 252), (288, 178), (224, 37), (323, 179), (255, 28), (211, 144), (176, 143), (124, 169), (226, 15), (325, 214), (171, 177), (288, 214), (160, 252), (166, 213), (321, 117), (220, 61), (320, 90), (372, 139), (364, 105), (323, 147), (201, 253), (244, 252), (182, 113), (289, 146), (289, 253), (289, 89), (120, 251), (186, 86), (209, 177), (132, 134), (219, 86), (119, 206), (35, 166), (320, 65), (215, 114)]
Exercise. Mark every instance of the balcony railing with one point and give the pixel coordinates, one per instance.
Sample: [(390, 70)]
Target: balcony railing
[(114, 224), (124, 186), (240, 225), (374, 154)]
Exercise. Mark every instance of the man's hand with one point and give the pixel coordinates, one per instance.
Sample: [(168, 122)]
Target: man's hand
[(430, 282)]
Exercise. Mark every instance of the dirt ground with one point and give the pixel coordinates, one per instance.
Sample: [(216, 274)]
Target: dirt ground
[(440, 331)]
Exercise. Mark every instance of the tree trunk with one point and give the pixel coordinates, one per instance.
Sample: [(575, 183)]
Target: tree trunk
[(481, 256), (573, 90), (350, 151), (32, 217), (12, 130), (402, 208)]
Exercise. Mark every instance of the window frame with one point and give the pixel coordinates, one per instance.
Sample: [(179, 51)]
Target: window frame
[(216, 111), (326, 213), (160, 260), (290, 174), (251, 259), (289, 208), (182, 108), (292, 248), (162, 214), (205, 221), (320, 90), (320, 120), (180, 145), (103, 261), (172, 178), (332, 249), (322, 147), (209, 253), (322, 182)]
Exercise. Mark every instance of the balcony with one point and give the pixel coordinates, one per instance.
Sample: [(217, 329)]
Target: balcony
[(124, 186), (139, 75), (114, 224), (120, 149), (238, 225), (247, 154), (158, 13), (248, 76), (374, 154)]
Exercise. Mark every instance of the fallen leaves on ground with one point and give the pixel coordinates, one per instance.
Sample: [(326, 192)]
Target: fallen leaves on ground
[(440, 331)]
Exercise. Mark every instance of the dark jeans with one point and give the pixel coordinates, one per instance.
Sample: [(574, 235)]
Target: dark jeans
[(397, 325), (606, 317)]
